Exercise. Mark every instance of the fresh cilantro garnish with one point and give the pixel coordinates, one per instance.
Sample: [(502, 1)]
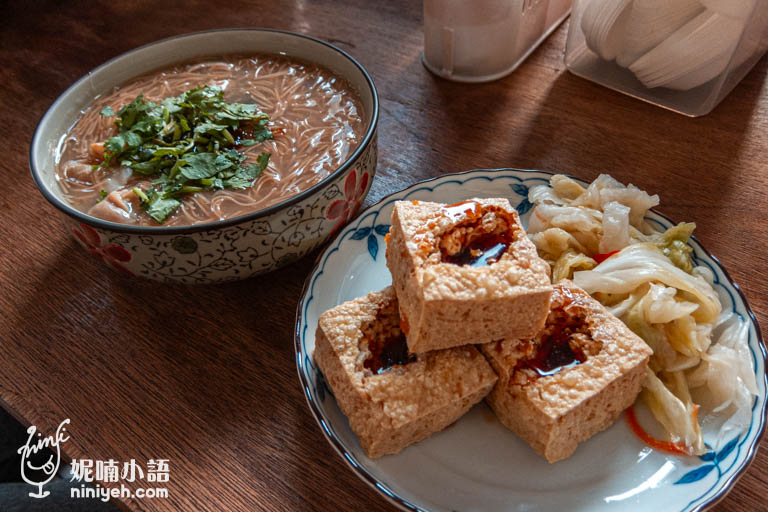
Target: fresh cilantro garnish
[(186, 144)]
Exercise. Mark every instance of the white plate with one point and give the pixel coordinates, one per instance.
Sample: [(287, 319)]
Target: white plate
[(478, 465)]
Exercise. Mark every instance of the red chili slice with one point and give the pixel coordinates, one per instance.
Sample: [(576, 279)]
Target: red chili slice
[(656, 444), (599, 258)]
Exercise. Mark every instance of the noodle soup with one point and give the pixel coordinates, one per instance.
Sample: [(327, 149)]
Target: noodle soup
[(315, 116), (292, 118)]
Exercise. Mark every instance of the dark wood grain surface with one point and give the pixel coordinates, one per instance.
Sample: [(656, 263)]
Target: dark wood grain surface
[(205, 375)]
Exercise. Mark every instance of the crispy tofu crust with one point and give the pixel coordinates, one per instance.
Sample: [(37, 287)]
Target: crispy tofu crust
[(446, 305), (554, 413), (407, 403)]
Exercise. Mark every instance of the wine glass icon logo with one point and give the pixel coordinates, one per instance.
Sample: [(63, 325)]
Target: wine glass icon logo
[(36, 460)]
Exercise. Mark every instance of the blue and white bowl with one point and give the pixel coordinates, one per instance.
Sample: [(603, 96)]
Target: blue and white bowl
[(477, 464), (234, 248)]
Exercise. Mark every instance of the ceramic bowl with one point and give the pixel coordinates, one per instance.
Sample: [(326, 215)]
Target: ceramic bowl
[(234, 248)]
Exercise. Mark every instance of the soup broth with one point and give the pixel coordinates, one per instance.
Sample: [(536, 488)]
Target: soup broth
[(315, 117)]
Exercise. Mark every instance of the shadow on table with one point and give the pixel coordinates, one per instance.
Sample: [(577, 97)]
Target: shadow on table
[(14, 493), (632, 137), (241, 393), (234, 379), (581, 128)]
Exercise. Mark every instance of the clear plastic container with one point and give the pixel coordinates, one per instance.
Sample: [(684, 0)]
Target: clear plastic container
[(484, 40), (683, 55)]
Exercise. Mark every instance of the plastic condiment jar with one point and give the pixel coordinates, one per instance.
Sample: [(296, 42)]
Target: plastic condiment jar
[(484, 40)]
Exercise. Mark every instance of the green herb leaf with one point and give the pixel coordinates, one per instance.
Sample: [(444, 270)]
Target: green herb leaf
[(160, 208), (261, 132), (107, 112), (238, 112), (133, 139), (255, 170), (114, 144), (148, 168), (248, 174), (186, 144)]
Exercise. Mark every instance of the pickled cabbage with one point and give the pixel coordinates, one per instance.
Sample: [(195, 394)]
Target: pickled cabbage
[(648, 279)]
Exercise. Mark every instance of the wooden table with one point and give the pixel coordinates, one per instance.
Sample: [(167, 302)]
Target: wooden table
[(143, 374)]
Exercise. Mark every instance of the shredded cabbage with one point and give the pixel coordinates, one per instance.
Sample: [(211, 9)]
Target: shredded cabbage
[(728, 376), (674, 244), (678, 415), (652, 285), (688, 337), (565, 187), (553, 242), (606, 189), (661, 306), (642, 263), (615, 227), (584, 225), (569, 261)]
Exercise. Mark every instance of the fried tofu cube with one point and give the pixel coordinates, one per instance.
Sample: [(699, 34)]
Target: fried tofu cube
[(572, 380), (392, 397), (465, 273)]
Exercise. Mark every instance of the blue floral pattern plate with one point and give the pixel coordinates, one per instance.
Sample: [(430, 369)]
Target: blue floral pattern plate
[(478, 465)]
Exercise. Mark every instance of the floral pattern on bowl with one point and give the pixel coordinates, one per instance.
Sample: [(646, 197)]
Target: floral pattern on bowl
[(354, 192), (237, 251), (110, 253)]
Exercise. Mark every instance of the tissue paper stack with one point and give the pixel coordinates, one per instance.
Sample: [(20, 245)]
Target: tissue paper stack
[(678, 44)]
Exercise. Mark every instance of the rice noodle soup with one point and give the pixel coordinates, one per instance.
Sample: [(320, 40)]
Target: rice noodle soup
[(315, 116)]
